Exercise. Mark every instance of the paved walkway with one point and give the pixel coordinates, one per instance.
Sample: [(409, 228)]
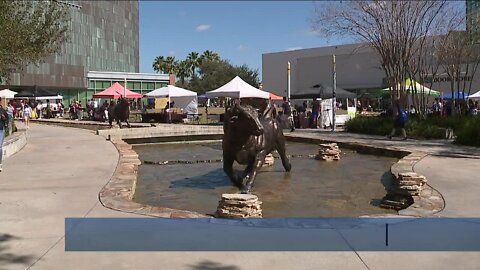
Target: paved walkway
[(61, 170)]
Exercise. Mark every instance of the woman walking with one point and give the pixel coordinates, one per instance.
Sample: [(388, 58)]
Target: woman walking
[(27, 114)]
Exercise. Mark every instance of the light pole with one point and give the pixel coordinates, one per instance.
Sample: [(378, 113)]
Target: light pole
[(334, 101), (288, 81)]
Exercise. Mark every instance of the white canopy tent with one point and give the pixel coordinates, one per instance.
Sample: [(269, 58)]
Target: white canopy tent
[(238, 88), (50, 98), (183, 98), (475, 96), (7, 93)]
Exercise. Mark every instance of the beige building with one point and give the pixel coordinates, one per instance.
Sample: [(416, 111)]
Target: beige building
[(358, 70)]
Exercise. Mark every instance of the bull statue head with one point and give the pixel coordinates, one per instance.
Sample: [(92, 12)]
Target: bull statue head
[(244, 119)]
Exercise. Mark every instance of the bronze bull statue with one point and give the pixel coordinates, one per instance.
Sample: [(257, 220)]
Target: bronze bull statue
[(247, 139), (119, 112)]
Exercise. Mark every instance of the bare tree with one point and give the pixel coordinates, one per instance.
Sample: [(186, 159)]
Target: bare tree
[(396, 30), (460, 59)]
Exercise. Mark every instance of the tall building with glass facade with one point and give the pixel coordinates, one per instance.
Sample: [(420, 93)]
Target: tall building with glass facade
[(104, 36), (473, 20)]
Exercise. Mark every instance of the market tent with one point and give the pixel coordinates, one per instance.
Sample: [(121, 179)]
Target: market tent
[(411, 85), (35, 91), (323, 91), (275, 97), (475, 96), (458, 95), (116, 91), (183, 98), (49, 97), (238, 88), (7, 93)]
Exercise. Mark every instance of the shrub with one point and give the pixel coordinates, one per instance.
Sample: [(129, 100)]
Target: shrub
[(430, 128), (469, 133)]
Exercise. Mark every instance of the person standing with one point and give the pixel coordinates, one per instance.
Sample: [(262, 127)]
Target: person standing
[(287, 112), (400, 120), (3, 124), (10, 113), (315, 112)]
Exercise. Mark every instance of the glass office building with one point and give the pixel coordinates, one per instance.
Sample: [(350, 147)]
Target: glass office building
[(104, 37)]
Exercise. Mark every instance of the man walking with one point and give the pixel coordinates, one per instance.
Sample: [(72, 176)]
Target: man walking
[(287, 112)]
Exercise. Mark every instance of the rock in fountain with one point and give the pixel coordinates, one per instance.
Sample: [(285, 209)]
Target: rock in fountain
[(269, 160), (239, 206), (406, 185), (328, 152)]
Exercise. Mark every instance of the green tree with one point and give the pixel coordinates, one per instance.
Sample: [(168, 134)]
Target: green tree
[(193, 60), (30, 32), (183, 72), (171, 65), (159, 64), (209, 56)]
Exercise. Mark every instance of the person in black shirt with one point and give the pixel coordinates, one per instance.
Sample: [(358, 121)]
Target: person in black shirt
[(287, 111)]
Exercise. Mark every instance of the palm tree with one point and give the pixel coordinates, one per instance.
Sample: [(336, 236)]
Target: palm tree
[(210, 56), (159, 64), (194, 61), (170, 65), (183, 70)]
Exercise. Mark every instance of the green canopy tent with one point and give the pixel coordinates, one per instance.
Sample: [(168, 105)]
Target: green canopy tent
[(412, 85)]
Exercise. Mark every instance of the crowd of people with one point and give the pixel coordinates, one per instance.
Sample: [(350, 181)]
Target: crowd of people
[(445, 108)]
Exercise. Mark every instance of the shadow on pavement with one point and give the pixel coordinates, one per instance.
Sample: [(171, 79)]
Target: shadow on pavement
[(209, 265), (9, 258)]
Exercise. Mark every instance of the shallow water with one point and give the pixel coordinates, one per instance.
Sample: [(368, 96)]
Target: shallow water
[(346, 188)]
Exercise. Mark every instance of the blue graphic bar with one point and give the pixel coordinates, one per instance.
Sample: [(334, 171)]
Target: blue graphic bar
[(272, 234)]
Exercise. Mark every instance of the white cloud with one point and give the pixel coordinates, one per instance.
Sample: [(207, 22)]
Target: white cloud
[(203, 27), (171, 53), (242, 47), (294, 48)]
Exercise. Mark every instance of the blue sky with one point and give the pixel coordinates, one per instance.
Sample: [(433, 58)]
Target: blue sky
[(238, 31)]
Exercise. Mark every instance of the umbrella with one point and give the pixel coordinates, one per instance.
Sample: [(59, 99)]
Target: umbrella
[(7, 93)]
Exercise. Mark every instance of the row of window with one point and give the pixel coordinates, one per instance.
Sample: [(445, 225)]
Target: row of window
[(132, 85)]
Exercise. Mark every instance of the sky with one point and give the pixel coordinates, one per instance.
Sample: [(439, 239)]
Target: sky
[(240, 31)]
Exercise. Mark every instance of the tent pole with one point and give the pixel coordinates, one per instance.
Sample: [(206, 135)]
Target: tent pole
[(334, 101)]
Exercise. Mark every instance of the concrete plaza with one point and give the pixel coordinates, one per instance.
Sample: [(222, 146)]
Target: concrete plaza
[(61, 170)]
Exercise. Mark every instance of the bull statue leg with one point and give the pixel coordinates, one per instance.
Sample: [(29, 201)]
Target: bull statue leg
[(119, 123), (228, 169), (285, 162), (128, 123), (255, 166)]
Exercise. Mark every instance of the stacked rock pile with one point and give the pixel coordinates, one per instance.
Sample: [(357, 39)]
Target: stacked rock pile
[(405, 185), (328, 152), (269, 160), (239, 206)]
